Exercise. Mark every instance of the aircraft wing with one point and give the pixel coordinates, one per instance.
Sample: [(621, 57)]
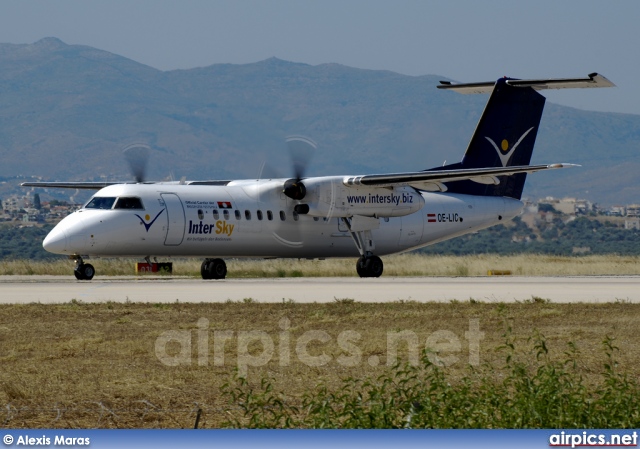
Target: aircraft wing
[(424, 180), (70, 185), (100, 184), (592, 80), (432, 179)]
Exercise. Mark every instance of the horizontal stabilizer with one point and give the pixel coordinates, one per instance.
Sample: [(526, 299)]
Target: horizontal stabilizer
[(592, 80)]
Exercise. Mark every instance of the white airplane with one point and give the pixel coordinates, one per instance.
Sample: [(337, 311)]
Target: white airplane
[(319, 217)]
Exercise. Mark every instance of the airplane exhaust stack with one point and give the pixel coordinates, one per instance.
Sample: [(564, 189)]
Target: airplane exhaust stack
[(302, 209)]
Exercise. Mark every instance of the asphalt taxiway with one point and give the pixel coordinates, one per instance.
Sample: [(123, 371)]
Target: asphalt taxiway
[(60, 289)]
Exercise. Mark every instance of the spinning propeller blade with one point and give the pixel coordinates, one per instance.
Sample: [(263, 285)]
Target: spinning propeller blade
[(137, 156), (301, 150)]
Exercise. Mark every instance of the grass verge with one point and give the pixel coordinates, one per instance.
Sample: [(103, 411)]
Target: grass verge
[(411, 264), (114, 365)]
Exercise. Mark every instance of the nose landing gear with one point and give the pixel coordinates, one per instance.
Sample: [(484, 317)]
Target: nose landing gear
[(83, 271)]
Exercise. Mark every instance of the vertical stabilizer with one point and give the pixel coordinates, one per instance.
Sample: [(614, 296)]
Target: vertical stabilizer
[(505, 136), (507, 130)]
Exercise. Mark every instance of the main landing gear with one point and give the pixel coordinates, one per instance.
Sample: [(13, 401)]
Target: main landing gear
[(368, 265), (83, 271), (213, 269)]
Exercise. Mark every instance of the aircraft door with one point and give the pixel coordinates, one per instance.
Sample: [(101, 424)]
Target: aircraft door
[(176, 219), (411, 230)]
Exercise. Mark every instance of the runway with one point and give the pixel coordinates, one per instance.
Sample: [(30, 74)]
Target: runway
[(60, 289)]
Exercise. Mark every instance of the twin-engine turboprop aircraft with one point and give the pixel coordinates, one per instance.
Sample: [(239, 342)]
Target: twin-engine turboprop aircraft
[(319, 217)]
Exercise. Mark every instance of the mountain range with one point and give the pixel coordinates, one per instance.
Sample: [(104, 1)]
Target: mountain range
[(67, 111)]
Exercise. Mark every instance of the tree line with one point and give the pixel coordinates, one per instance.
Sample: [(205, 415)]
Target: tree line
[(580, 236)]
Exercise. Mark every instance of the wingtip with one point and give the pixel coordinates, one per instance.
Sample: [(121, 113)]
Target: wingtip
[(563, 165)]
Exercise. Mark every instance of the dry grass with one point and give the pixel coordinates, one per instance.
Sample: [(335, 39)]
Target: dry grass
[(81, 365), (400, 265)]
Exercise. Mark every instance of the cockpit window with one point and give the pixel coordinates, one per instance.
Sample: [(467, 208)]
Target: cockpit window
[(100, 202), (125, 202)]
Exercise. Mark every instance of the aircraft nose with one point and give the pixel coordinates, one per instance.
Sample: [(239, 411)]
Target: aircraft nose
[(55, 242)]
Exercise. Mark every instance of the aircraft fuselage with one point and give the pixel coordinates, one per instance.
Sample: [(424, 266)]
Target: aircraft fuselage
[(254, 219)]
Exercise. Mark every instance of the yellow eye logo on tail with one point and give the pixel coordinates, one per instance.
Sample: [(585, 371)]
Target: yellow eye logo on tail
[(504, 146)]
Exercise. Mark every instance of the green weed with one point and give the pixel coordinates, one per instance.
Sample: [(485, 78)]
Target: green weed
[(533, 392)]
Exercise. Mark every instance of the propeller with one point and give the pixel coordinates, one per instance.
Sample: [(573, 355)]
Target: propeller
[(301, 150), (137, 156)]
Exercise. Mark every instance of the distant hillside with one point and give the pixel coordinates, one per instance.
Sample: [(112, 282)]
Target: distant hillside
[(66, 111)]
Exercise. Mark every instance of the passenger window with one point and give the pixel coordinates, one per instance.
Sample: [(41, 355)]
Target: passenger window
[(283, 217), (295, 216), (215, 214), (269, 215), (259, 214), (200, 214), (315, 219), (238, 216), (100, 202), (226, 214), (247, 214)]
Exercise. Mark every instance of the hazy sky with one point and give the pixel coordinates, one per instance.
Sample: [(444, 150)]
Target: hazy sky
[(467, 40)]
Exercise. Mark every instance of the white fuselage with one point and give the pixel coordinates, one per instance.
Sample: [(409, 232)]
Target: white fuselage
[(254, 219)]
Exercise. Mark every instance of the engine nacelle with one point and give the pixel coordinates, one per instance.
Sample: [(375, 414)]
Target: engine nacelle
[(330, 197)]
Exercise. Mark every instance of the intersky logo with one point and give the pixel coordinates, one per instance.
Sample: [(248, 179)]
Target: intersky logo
[(504, 153), (146, 218)]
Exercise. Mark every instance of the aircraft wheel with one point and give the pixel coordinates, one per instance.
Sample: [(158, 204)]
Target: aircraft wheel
[(84, 272), (369, 267), (374, 266), (213, 269), (360, 267), (204, 269), (217, 269)]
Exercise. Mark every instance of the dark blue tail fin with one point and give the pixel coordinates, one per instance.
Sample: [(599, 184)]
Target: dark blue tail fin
[(505, 136)]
